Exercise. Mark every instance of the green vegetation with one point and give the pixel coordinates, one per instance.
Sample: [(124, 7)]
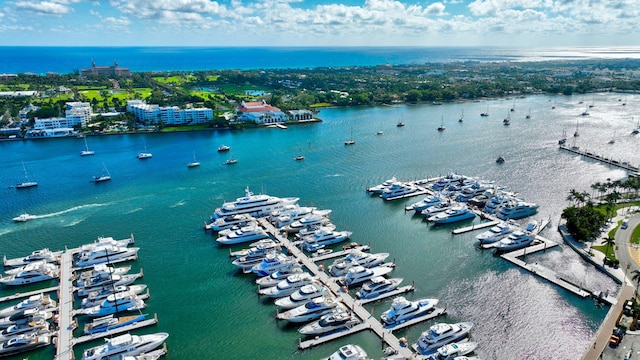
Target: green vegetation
[(635, 235)]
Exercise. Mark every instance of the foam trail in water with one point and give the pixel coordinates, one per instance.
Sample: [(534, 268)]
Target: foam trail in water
[(70, 210), (179, 203)]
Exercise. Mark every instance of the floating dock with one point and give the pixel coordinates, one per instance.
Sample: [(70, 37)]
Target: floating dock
[(398, 291), (27, 294), (621, 164), (473, 227), (334, 255), (120, 330)]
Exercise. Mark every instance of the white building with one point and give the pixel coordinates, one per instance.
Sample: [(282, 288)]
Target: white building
[(53, 123), (260, 112), (171, 115), (78, 113)]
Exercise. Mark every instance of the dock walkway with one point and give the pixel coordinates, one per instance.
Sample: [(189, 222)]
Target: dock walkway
[(64, 341), (27, 294), (621, 164)]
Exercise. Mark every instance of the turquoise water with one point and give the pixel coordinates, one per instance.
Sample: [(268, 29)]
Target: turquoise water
[(212, 311)]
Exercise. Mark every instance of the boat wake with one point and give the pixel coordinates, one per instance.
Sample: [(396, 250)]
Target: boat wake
[(179, 203), (133, 210), (75, 208), (74, 222), (334, 175)]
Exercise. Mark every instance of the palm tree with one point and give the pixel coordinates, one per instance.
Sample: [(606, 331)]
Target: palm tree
[(609, 241), (635, 276)]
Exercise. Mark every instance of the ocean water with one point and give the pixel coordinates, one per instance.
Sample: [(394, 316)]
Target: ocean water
[(65, 60), (212, 311)]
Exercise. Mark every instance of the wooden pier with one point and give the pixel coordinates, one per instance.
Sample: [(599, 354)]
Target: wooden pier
[(621, 164)]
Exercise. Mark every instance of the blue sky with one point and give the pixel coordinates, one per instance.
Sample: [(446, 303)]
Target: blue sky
[(528, 23)]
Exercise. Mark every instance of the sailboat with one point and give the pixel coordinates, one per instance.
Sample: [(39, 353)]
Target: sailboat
[(104, 177), (485, 114), (613, 140), (563, 140), (507, 120), (513, 108), (636, 131), (576, 133), (231, 161), (585, 112), (441, 127), (400, 122), (350, 141), (528, 114), (86, 150), (461, 116), (26, 183), (193, 163), (145, 154)]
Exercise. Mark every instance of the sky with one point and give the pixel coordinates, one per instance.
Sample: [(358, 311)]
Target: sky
[(520, 23)]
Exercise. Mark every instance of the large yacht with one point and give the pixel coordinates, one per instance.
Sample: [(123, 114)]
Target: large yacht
[(517, 240), (454, 350), (377, 286), (378, 189), (41, 301), (306, 222), (348, 352), (322, 238), (336, 320), (437, 208), (126, 344), (254, 205), (312, 310), (356, 257), (274, 262), (97, 296), (106, 254), (42, 272), (359, 274), (85, 288), (274, 278), (103, 270), (248, 233), (398, 190), (454, 214), (475, 189), (227, 222), (25, 317), (37, 255), (111, 322), (402, 310), (253, 258), (497, 200), (517, 210), (301, 296), (441, 334), (287, 286), (39, 326), (24, 342), (116, 303), (423, 204), (497, 233)]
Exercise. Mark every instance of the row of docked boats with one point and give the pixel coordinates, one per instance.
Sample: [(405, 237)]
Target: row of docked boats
[(25, 325)]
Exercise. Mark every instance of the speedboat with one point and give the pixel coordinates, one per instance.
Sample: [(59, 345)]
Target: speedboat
[(40, 301), (24, 217), (497, 233), (424, 203), (230, 221), (323, 238), (144, 155), (254, 205), (516, 240), (441, 334), (348, 352), (276, 277), (377, 286), (274, 262), (336, 320), (223, 148), (359, 274), (253, 258), (305, 222), (42, 272), (126, 344), (517, 210), (402, 310), (398, 190), (38, 255), (455, 214), (245, 234), (287, 286), (106, 254), (24, 342), (378, 189), (356, 257), (312, 310), (110, 322), (438, 208), (301, 296), (116, 303), (39, 326), (96, 297), (453, 350)]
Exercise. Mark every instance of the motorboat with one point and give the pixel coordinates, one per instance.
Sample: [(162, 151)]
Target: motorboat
[(116, 303), (438, 208), (356, 257), (516, 240), (398, 190), (274, 262), (532, 226), (96, 297), (402, 310), (276, 277), (227, 222), (309, 231), (497, 201), (475, 189), (105, 241), (334, 321), (442, 182), (42, 272), (454, 350), (305, 222), (106, 255), (349, 352), (103, 270), (322, 238), (517, 210), (223, 148), (289, 216), (378, 189), (40, 301), (301, 296), (497, 233), (38, 255), (423, 204), (25, 316), (110, 282), (377, 286), (126, 344), (287, 286), (245, 234), (24, 217), (30, 266), (454, 214), (39, 326), (312, 310), (110, 322), (441, 334), (359, 274), (261, 246), (23, 343), (253, 258), (254, 205)]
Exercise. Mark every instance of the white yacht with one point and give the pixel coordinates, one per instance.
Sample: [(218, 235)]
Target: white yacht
[(305, 222), (454, 350), (24, 342), (475, 189), (254, 205), (105, 241), (24, 218), (312, 310), (274, 262), (309, 231), (39, 327), (356, 257), (516, 240), (97, 296), (378, 189), (110, 322), (425, 203), (25, 316), (41, 272), (398, 190), (454, 214), (261, 246), (441, 334), (276, 277), (301, 296), (223, 148), (227, 222), (126, 344), (106, 254), (97, 284), (451, 177), (438, 208), (497, 233), (116, 303), (252, 232), (40, 301), (334, 321), (287, 286), (359, 274), (253, 258), (498, 200), (103, 270), (349, 352), (402, 310), (378, 286), (322, 238), (517, 210), (38, 255)]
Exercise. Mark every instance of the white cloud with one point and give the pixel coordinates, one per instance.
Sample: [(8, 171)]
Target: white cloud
[(116, 23), (168, 9), (437, 9), (55, 8)]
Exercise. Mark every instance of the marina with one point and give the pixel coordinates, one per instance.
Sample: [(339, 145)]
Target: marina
[(609, 161)]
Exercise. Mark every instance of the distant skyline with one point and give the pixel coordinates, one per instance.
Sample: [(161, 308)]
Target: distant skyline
[(513, 23)]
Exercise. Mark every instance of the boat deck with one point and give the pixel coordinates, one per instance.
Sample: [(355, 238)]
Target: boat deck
[(117, 331), (398, 291), (336, 254)]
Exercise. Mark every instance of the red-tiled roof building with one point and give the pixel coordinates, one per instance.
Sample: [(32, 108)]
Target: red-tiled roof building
[(260, 112)]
